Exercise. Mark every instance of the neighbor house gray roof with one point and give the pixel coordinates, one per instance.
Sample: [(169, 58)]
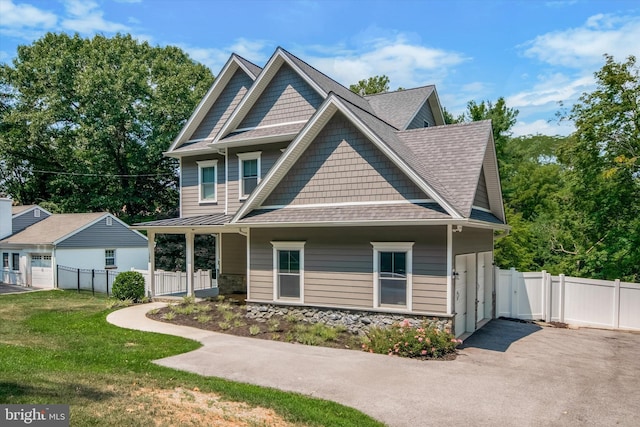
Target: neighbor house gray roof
[(52, 228), (200, 220), (386, 212), (284, 129), (16, 210), (399, 108)]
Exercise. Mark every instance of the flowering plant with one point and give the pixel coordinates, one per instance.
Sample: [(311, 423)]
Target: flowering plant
[(402, 339)]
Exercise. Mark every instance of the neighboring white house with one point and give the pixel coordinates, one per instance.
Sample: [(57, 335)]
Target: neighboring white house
[(97, 241)]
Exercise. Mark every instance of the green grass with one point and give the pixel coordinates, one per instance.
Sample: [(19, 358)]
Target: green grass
[(56, 347)]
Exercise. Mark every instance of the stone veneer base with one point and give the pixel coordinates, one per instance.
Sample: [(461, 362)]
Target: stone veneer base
[(355, 321)]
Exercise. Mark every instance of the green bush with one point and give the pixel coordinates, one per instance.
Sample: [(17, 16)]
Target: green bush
[(401, 339), (129, 285)]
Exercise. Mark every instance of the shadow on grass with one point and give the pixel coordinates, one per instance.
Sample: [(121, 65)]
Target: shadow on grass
[(55, 393), (499, 334)]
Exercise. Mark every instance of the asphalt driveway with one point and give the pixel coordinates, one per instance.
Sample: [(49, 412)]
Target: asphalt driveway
[(508, 374)]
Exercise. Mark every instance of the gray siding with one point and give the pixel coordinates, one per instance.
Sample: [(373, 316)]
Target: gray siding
[(101, 235), (26, 219), (425, 114), (482, 197), (189, 187), (269, 156), (286, 98), (472, 240), (342, 165), (234, 254), (224, 105), (338, 265)]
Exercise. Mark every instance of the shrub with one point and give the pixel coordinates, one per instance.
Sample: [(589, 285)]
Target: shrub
[(254, 330), (129, 285), (401, 339)]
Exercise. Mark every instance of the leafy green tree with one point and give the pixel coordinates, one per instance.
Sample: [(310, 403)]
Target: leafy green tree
[(502, 119), (450, 119), (604, 174), (85, 122), (371, 86)]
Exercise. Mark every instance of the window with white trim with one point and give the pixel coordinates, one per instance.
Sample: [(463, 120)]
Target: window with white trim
[(15, 262), (110, 258), (392, 274), (207, 181), (288, 270), (249, 172), (5, 260)]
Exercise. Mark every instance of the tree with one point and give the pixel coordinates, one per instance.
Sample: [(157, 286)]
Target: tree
[(371, 86), (502, 119), (604, 179), (85, 122)]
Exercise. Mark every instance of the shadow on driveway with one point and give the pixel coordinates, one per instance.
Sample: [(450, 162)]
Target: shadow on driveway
[(499, 334)]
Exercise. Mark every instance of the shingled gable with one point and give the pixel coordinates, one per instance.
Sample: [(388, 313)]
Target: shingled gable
[(457, 154), (320, 83), (400, 108), (185, 141), (379, 133)]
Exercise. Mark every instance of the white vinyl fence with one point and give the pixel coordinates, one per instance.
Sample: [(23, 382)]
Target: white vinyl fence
[(174, 282), (570, 300)]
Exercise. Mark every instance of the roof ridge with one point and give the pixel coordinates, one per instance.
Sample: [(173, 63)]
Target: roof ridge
[(451, 125), (395, 129), (320, 72), (398, 91)]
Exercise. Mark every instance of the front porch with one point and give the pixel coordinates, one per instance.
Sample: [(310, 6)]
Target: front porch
[(227, 274)]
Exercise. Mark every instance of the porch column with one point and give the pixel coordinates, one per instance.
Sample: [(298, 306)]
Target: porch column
[(151, 236), (190, 259)]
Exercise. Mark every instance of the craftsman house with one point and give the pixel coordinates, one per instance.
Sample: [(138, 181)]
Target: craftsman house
[(322, 198)]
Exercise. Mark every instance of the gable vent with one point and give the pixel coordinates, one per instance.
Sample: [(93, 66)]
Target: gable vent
[(36, 213), (109, 221)]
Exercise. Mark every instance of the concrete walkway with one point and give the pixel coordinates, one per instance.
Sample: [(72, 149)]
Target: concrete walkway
[(508, 373)]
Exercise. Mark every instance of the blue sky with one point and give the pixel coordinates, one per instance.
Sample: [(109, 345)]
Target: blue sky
[(534, 53)]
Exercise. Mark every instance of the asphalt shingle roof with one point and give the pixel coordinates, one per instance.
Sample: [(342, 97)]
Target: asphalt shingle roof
[(15, 210), (453, 153), (390, 212), (52, 228), (253, 68), (399, 107)]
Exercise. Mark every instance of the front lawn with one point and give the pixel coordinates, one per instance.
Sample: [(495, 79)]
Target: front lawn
[(56, 347)]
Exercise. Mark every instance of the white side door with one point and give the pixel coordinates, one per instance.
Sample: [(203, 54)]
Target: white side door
[(460, 295)]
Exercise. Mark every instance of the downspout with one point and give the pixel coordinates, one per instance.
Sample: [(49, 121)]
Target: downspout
[(225, 153)]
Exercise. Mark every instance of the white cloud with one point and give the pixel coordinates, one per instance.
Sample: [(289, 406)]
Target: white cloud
[(24, 21), (552, 89), (253, 50), (542, 127), (407, 64), (584, 46), (87, 18)]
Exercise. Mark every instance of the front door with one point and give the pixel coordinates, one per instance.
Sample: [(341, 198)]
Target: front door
[(460, 295)]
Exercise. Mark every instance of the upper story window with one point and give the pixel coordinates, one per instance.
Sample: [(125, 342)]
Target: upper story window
[(249, 167), (425, 124), (207, 181)]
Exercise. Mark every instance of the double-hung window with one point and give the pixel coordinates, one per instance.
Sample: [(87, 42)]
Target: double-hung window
[(110, 258), (15, 262), (249, 167), (5, 260), (207, 181), (392, 265), (288, 270)]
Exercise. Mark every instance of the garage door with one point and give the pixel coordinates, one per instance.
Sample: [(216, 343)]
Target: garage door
[(41, 273)]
